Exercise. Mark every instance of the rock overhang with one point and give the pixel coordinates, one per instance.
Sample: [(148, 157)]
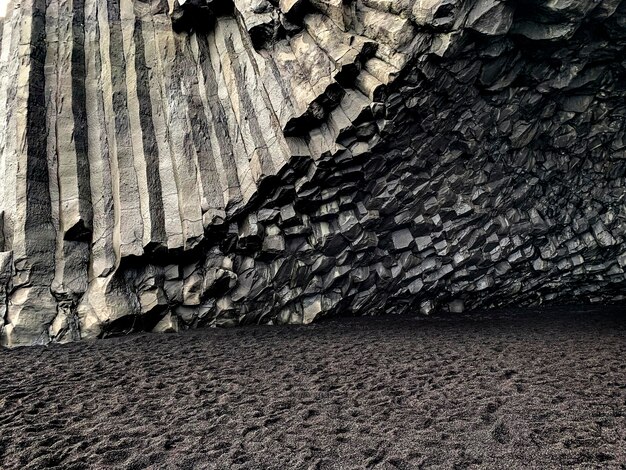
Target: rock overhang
[(299, 159)]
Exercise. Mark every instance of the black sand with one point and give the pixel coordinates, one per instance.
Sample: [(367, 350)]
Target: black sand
[(514, 389)]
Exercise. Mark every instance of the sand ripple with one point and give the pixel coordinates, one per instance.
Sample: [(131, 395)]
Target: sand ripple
[(510, 389)]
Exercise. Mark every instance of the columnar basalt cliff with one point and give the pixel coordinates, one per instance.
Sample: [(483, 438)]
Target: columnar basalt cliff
[(165, 166)]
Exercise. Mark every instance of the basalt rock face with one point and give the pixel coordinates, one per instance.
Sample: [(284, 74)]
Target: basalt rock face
[(165, 166)]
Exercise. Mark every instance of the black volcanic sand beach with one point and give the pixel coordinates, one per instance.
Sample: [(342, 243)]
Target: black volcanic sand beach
[(506, 389)]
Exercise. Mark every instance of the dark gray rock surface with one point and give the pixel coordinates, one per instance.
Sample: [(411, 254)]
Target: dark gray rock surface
[(275, 162)]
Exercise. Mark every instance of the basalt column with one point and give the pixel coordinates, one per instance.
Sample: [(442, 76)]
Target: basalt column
[(167, 166)]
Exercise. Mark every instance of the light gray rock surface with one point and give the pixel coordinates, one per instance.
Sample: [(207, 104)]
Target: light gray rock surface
[(166, 166)]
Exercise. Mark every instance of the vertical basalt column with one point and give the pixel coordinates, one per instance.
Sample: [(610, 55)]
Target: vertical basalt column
[(154, 235), (127, 202), (216, 117), (31, 305), (211, 194), (151, 31), (9, 67), (82, 227), (183, 153), (70, 182)]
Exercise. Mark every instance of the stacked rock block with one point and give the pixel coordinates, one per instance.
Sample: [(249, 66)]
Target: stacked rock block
[(167, 166)]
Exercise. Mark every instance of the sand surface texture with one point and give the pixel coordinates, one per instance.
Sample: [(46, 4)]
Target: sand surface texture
[(508, 389)]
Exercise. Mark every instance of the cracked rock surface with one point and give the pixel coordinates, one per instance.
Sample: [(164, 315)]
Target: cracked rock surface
[(166, 166)]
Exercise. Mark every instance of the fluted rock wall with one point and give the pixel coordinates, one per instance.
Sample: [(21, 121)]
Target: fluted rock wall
[(215, 163)]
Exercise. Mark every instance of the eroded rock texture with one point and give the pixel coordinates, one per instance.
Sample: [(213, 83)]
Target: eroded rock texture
[(164, 166)]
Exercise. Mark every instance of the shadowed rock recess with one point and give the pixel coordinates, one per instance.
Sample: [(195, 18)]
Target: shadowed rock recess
[(165, 166)]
